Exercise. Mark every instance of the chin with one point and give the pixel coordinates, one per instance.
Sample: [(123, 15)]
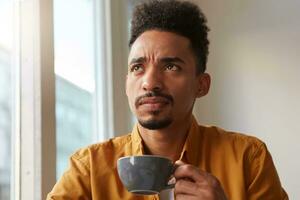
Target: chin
[(155, 124)]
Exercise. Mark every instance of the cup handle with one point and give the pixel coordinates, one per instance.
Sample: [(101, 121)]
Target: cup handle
[(171, 185)]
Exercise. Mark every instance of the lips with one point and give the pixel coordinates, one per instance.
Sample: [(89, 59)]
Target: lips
[(153, 104), (153, 101)]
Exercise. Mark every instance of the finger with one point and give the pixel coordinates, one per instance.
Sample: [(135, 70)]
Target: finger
[(185, 197), (179, 162), (190, 189), (183, 186), (194, 174), (190, 172)]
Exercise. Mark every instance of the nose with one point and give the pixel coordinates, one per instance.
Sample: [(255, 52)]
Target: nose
[(152, 80)]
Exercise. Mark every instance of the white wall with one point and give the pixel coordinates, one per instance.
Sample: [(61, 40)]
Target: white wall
[(255, 67)]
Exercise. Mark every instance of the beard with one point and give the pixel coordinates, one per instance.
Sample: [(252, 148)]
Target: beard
[(155, 124)]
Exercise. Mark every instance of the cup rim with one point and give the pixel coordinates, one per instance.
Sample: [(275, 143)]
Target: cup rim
[(146, 155), (142, 192)]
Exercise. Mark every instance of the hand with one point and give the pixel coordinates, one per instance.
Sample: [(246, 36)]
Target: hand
[(195, 184)]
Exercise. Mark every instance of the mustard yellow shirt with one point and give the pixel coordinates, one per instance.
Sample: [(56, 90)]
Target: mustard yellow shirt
[(242, 164)]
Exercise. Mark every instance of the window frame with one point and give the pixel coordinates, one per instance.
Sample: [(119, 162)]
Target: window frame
[(111, 45), (33, 142), (33, 131)]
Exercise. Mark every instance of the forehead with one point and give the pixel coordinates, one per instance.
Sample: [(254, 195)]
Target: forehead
[(156, 44)]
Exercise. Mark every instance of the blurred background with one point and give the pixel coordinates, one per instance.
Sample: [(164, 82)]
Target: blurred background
[(254, 62)]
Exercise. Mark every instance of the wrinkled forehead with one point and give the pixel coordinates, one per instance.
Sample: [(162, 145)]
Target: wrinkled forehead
[(159, 44)]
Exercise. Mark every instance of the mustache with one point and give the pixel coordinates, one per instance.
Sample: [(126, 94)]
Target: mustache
[(154, 94)]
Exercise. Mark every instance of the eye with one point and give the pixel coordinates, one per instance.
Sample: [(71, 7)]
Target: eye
[(172, 67), (136, 68)]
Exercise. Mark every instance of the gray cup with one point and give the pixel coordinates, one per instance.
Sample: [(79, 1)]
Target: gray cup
[(146, 174)]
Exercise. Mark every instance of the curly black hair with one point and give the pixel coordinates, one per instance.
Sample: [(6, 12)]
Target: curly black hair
[(183, 18)]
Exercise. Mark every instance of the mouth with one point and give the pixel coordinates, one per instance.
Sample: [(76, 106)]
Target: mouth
[(153, 100), (153, 103)]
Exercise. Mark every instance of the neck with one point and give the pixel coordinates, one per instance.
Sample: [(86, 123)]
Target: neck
[(167, 142)]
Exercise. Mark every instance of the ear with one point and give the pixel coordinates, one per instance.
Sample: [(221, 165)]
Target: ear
[(203, 84)]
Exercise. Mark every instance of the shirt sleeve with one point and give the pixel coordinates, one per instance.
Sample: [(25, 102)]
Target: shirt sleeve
[(74, 183), (263, 180)]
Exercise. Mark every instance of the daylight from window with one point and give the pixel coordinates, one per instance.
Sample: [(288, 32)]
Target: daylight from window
[(5, 97), (74, 69)]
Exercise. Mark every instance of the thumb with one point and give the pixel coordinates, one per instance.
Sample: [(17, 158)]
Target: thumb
[(179, 162)]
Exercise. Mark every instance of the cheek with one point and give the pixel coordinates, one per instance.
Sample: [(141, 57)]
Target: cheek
[(184, 94), (129, 85), (131, 91), (184, 88), (130, 98), (184, 100), (130, 95)]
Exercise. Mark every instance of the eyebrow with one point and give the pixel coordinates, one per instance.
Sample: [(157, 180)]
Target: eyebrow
[(137, 60), (164, 59), (171, 59)]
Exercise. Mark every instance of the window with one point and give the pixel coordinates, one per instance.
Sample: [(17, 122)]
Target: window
[(88, 103), (75, 84), (5, 97), (90, 67)]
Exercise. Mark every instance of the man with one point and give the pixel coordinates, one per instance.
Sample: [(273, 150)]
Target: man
[(166, 74)]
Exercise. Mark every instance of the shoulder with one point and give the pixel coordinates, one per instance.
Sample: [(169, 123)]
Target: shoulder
[(104, 151), (230, 139)]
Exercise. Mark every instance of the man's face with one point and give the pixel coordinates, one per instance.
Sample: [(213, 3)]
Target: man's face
[(162, 84)]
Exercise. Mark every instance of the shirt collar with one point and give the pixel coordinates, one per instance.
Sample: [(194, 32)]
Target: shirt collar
[(191, 149), (137, 142)]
